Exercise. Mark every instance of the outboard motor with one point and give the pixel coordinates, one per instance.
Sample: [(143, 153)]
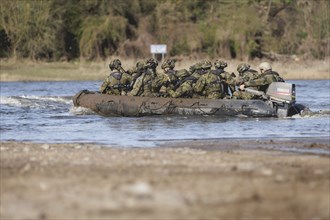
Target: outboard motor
[(282, 96)]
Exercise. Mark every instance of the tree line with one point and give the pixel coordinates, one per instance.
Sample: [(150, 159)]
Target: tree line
[(96, 29)]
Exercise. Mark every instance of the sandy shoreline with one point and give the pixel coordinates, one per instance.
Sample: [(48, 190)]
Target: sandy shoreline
[(11, 71), (197, 179)]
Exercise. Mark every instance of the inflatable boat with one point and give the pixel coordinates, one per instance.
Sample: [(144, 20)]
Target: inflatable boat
[(279, 101)]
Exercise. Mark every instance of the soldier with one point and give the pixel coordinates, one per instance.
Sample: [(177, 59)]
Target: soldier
[(159, 82), (167, 80), (118, 82), (209, 84), (227, 79), (266, 77), (135, 71), (143, 85), (152, 66), (185, 85), (245, 74), (197, 69), (187, 79), (168, 67)]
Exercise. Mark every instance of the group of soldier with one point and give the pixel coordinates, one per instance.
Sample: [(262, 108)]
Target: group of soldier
[(200, 81)]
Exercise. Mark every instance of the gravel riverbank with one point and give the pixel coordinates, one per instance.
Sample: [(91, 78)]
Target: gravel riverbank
[(201, 180)]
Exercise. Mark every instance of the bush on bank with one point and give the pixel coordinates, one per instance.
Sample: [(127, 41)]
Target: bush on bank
[(94, 30)]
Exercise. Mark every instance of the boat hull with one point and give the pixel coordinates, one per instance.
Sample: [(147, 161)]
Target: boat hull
[(110, 105)]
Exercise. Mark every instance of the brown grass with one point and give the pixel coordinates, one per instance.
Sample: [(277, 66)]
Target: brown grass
[(68, 71)]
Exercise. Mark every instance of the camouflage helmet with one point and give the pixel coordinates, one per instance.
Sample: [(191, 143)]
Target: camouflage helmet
[(243, 67), (115, 64), (206, 64), (168, 64), (181, 74), (265, 66), (152, 63), (140, 65), (192, 68), (220, 64), (196, 66)]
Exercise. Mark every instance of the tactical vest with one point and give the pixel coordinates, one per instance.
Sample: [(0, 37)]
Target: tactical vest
[(270, 77), (217, 71), (277, 76)]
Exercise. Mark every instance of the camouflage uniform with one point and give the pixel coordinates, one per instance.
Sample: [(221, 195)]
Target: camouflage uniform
[(209, 84), (159, 84), (175, 86), (197, 69), (264, 80), (245, 74), (143, 85), (185, 88), (227, 79), (187, 81), (166, 80), (118, 82)]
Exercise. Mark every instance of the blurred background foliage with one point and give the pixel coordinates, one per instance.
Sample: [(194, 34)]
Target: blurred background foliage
[(96, 29)]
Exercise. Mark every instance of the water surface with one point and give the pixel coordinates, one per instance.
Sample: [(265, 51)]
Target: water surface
[(43, 112)]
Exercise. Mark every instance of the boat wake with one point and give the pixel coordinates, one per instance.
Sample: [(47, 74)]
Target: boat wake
[(313, 114), (81, 111), (35, 101)]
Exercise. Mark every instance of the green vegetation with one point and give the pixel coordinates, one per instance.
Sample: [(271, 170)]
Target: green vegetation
[(57, 30), (52, 71)]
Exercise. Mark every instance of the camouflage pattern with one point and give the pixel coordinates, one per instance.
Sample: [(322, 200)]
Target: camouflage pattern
[(169, 78), (143, 85), (242, 67), (227, 79), (196, 68), (209, 86), (151, 63), (116, 83), (206, 65), (245, 74), (115, 64), (181, 74), (132, 71), (160, 83), (136, 71), (197, 74), (242, 95), (171, 74), (184, 83), (174, 78), (168, 64), (185, 90), (220, 64), (264, 80), (199, 81)]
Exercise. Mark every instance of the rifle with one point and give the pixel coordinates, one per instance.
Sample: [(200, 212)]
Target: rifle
[(121, 87)]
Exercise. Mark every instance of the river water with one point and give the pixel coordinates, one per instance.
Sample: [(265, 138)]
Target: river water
[(43, 112)]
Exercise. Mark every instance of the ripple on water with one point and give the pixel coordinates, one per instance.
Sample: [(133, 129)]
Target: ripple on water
[(36, 112)]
